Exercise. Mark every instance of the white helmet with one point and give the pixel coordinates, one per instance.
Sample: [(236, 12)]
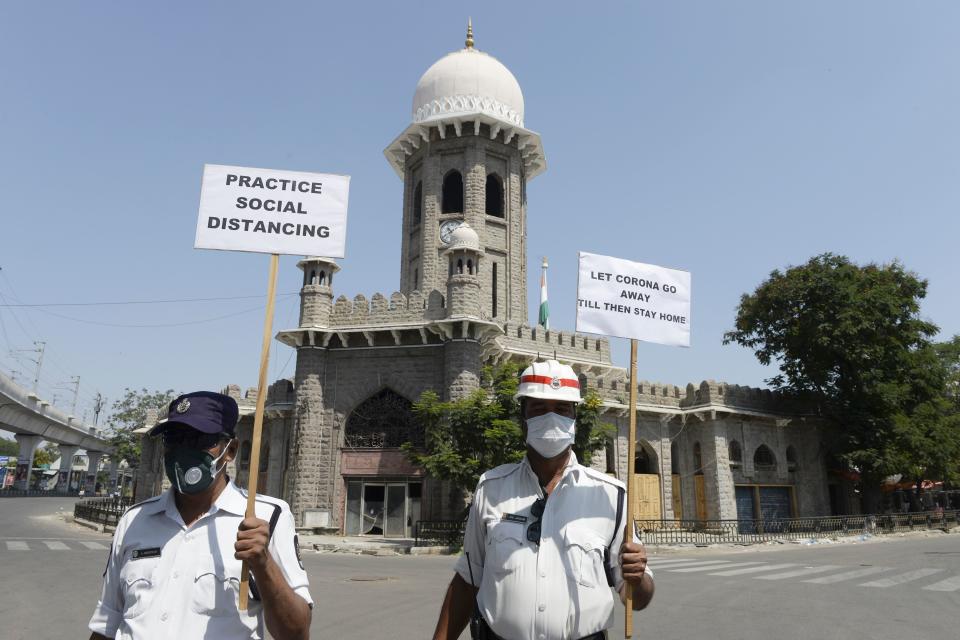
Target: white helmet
[(549, 380)]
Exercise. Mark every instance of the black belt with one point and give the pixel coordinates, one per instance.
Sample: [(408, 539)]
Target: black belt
[(599, 635)]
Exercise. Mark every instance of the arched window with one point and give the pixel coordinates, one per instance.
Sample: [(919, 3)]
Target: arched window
[(418, 203), (245, 455), (313, 277), (452, 193), (470, 267), (791, 458), (323, 278), (646, 460), (697, 458), (763, 458), (460, 265), (382, 421), (736, 453), (494, 196)]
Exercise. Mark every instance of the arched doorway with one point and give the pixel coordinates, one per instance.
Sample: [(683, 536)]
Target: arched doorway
[(646, 483), (383, 490)]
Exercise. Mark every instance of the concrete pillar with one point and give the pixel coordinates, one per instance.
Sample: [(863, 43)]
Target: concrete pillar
[(93, 466), (67, 452), (28, 446), (114, 468)]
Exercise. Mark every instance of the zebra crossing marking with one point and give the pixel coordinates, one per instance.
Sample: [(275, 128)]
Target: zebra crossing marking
[(710, 567), (93, 545), (848, 575), (56, 545), (17, 545), (950, 584), (706, 565), (799, 572), (740, 572), (909, 576), (676, 563)]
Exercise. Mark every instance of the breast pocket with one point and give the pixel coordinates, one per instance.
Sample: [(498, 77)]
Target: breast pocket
[(583, 551), (505, 548), (138, 585), (216, 590)]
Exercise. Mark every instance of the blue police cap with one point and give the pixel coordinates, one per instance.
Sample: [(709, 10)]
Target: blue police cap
[(204, 411)]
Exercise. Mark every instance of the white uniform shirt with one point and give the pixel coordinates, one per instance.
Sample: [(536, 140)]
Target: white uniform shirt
[(167, 580), (559, 590)]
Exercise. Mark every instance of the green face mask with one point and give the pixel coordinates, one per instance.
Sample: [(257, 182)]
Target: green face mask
[(192, 470)]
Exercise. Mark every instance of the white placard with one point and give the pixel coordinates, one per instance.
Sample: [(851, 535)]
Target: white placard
[(270, 211), (617, 297)]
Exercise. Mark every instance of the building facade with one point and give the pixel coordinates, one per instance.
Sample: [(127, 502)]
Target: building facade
[(332, 433)]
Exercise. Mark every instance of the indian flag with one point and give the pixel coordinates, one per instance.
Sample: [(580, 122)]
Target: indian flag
[(544, 319)]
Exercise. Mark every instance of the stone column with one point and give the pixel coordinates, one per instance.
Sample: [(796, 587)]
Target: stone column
[(309, 487), (666, 470), (718, 481), (67, 452), (28, 446), (93, 466)]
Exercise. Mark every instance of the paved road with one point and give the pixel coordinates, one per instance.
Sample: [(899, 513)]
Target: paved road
[(890, 590)]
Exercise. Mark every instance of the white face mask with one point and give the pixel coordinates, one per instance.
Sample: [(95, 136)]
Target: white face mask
[(550, 433)]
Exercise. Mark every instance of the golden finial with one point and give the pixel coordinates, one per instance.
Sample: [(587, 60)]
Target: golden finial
[(469, 41)]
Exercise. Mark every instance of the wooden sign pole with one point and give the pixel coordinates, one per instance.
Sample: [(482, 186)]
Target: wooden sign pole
[(254, 467), (631, 456)]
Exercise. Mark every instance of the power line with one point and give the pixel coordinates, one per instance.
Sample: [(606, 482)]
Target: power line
[(152, 325), (131, 302)]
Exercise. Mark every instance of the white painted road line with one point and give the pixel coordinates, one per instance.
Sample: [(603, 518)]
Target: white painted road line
[(909, 576), (16, 545), (55, 545), (675, 563), (848, 575), (950, 584), (710, 568), (93, 545), (799, 572), (740, 572), (706, 565)]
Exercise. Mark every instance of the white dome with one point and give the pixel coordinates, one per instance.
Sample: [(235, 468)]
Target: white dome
[(468, 81), (464, 237)]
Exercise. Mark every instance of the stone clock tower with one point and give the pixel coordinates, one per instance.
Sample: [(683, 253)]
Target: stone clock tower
[(466, 158)]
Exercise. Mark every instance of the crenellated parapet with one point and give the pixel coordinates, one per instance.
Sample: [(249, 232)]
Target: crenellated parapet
[(568, 345), (380, 310), (710, 392)]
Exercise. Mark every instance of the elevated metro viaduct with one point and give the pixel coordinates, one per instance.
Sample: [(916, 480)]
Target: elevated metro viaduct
[(32, 420)]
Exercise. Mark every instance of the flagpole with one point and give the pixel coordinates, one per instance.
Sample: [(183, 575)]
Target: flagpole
[(254, 467), (631, 456), (544, 316)]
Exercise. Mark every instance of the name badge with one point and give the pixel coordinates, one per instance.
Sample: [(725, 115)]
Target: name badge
[(512, 517), (153, 552)]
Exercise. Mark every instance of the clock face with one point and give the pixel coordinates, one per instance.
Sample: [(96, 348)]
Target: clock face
[(447, 228)]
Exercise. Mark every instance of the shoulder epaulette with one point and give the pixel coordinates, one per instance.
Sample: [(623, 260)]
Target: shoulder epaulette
[(499, 472), (603, 477), (147, 501)]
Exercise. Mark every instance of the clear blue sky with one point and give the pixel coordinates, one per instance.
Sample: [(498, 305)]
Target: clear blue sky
[(727, 139)]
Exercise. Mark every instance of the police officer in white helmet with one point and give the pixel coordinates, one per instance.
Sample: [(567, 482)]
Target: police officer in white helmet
[(543, 548)]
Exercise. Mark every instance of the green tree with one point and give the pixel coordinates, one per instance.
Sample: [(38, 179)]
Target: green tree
[(9, 447), (849, 340), (129, 413), (464, 438), (949, 355)]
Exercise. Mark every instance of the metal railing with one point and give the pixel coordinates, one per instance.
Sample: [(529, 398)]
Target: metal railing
[(706, 532), (36, 493), (105, 511), (448, 533)]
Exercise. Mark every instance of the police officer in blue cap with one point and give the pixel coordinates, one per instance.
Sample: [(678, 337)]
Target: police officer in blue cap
[(174, 567)]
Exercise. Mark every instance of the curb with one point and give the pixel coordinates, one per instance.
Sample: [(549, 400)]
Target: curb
[(96, 526)]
